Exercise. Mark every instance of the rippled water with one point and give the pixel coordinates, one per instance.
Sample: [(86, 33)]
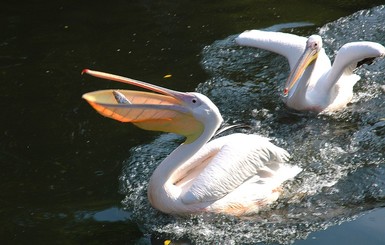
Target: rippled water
[(61, 162), (342, 154)]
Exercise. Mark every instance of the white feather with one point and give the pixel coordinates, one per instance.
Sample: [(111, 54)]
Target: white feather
[(237, 158)]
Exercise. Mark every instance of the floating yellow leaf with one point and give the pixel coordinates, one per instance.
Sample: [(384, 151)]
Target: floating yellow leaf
[(167, 242), (167, 76)]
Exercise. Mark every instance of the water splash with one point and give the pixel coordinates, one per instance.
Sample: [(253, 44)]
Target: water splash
[(342, 154)]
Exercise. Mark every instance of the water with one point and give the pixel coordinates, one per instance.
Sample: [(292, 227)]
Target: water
[(65, 170), (342, 154)]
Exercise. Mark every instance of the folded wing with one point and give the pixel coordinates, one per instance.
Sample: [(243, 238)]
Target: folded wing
[(239, 158)]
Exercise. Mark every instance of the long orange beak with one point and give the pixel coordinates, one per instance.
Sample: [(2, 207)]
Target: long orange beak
[(307, 57), (166, 110)]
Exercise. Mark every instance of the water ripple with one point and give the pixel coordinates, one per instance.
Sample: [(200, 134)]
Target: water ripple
[(342, 153)]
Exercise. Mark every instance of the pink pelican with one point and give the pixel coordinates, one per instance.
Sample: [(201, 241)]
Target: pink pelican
[(236, 174), (314, 84)]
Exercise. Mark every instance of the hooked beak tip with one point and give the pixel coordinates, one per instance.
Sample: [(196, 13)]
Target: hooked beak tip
[(84, 71)]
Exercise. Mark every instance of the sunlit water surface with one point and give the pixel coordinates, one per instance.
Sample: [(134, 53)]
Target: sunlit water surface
[(342, 154)]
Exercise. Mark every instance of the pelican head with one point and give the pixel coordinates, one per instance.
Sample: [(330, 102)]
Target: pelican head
[(187, 114), (313, 46)]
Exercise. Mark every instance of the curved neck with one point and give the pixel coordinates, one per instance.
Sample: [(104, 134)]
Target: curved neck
[(174, 162), (162, 192)]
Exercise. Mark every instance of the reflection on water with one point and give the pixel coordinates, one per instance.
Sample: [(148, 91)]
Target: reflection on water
[(113, 214), (342, 154), (369, 225)]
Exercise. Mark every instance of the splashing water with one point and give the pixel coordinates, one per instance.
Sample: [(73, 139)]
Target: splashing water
[(342, 154)]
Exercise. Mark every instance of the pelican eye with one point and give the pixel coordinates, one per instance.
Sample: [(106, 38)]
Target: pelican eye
[(193, 100)]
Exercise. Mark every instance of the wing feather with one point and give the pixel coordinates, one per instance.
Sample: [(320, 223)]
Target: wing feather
[(240, 158), (288, 45)]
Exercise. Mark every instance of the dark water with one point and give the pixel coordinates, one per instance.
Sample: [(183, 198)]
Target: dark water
[(65, 170)]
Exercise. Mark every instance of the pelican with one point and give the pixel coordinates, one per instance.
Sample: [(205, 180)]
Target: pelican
[(237, 174), (314, 84)]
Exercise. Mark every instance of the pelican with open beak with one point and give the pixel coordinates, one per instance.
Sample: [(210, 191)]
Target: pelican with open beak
[(237, 174)]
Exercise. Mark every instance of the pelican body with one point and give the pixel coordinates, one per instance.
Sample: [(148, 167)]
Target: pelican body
[(314, 84), (236, 174)]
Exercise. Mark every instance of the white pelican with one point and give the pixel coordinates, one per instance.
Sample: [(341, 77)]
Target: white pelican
[(314, 84), (235, 174)]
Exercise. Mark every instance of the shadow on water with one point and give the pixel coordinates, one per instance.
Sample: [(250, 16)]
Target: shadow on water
[(342, 154)]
